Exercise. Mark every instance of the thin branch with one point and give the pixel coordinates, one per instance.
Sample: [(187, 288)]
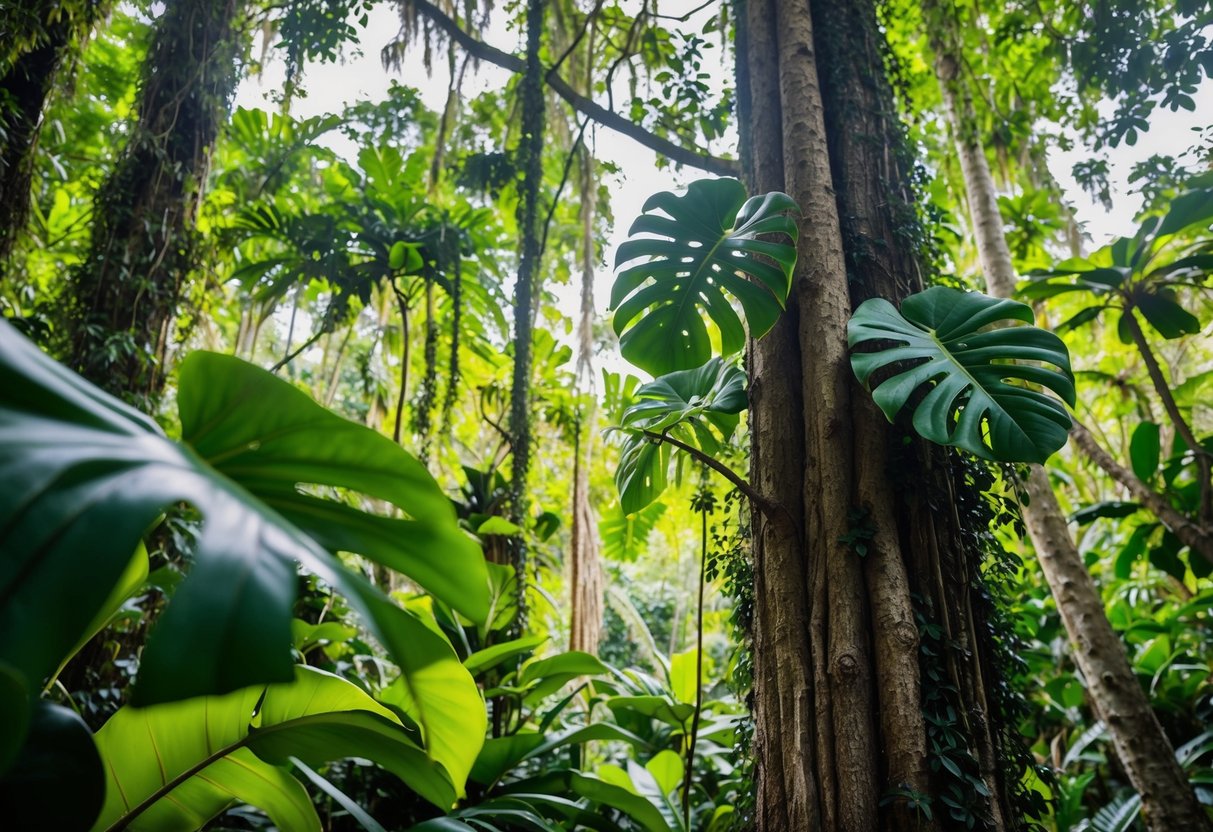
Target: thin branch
[(768, 507), (586, 106), (1204, 463), (1191, 534), (287, 359)]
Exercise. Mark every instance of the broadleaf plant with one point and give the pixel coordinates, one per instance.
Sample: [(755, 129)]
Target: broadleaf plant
[(177, 765), (980, 376), (701, 248), (1153, 273), (88, 476), (697, 407)]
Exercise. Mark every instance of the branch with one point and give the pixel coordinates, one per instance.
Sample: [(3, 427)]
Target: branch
[(1204, 464), (586, 106), (1192, 535), (768, 507)]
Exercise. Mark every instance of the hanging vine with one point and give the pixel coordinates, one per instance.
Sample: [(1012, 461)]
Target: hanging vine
[(530, 150)]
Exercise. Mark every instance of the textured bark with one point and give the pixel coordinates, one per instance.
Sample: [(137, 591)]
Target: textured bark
[(1143, 748), (585, 574), (1167, 802), (38, 39), (784, 717), (982, 195), (838, 691), (24, 88), (531, 152), (126, 295)]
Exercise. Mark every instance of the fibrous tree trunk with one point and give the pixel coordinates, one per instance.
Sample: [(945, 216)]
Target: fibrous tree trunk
[(126, 295), (27, 77), (867, 548), (585, 572), (530, 150), (1143, 748)]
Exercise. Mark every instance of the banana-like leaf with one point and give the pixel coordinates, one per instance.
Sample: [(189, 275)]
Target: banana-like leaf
[(698, 407), (624, 536), (175, 766), (980, 381), (703, 244), (86, 476)]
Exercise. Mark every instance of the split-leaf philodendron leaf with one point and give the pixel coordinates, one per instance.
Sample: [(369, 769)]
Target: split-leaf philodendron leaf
[(980, 380), (698, 407), (705, 245)]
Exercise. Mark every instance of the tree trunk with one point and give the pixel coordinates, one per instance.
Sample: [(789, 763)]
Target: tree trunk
[(1168, 802), (585, 573), (25, 85), (530, 149), (865, 551), (125, 296)]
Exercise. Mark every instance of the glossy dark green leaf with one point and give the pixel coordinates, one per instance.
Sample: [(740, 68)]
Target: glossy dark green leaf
[(700, 246), (90, 476), (1165, 556), (1187, 210), (57, 781), (1144, 450), (980, 382), (1107, 508), (698, 407), (1161, 309)]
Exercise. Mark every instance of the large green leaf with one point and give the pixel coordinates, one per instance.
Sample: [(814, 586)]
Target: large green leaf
[(974, 374), (624, 536), (702, 245), (57, 781), (174, 766), (698, 407), (87, 476), (438, 693)]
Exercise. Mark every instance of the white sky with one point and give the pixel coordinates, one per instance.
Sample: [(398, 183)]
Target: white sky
[(361, 76)]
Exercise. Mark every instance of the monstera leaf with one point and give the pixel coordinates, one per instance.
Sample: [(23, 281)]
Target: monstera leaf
[(976, 396), (697, 407), (704, 244), (175, 766), (86, 477)]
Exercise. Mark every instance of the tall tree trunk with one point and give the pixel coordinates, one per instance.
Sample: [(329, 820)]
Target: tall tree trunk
[(585, 573), (840, 684), (1168, 803), (125, 296), (530, 148), (25, 84)]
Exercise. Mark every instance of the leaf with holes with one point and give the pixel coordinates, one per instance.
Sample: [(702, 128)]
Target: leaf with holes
[(703, 247), (698, 407), (980, 381)]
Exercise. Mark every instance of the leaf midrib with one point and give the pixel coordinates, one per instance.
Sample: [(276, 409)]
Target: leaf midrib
[(166, 788)]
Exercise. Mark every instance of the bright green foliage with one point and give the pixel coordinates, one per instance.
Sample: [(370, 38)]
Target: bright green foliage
[(698, 407), (1148, 272), (174, 766), (624, 535), (975, 401), (705, 243), (91, 475)]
